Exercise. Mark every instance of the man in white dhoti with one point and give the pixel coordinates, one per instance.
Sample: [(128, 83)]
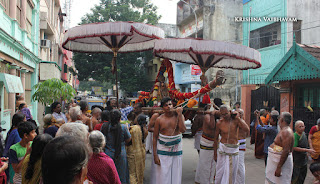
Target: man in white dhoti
[(206, 165), (227, 155), (150, 130), (167, 145), (241, 176), (196, 130), (279, 163)]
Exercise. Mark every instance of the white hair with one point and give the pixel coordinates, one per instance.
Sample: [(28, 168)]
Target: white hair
[(77, 130), (225, 107), (96, 110), (74, 112), (298, 123), (97, 141)]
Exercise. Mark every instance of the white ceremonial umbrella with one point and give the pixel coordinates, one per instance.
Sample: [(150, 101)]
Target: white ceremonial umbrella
[(208, 53), (112, 37)]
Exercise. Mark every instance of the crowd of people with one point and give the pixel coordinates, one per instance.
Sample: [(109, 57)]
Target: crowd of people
[(110, 145)]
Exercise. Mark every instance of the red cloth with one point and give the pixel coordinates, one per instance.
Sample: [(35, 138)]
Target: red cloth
[(101, 170), (3, 176), (313, 130), (98, 126)]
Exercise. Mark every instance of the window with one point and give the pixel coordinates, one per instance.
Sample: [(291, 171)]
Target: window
[(155, 67), (18, 13), (266, 36), (5, 5), (309, 95), (29, 18)]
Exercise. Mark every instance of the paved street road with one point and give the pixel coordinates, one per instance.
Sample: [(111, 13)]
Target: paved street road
[(254, 167)]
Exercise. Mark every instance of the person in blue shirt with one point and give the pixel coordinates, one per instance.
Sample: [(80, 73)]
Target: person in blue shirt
[(270, 131)]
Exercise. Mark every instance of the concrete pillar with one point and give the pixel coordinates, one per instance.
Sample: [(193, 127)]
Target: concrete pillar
[(23, 14), (286, 98), (246, 100), (23, 80), (12, 96), (13, 9)]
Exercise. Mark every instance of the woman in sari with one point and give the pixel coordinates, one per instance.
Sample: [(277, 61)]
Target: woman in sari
[(31, 166), (101, 168), (117, 135), (314, 141), (50, 125), (136, 152)]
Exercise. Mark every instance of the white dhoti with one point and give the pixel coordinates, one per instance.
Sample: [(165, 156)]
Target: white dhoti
[(149, 142), (241, 176), (206, 164), (169, 149), (227, 163), (272, 163), (197, 138)]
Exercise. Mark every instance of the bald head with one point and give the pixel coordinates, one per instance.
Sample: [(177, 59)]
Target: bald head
[(225, 107), (96, 110), (241, 112)]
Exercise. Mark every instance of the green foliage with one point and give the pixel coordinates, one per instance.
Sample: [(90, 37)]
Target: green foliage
[(52, 90), (132, 73)]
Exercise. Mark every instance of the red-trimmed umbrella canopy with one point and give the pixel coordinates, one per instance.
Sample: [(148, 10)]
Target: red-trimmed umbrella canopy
[(112, 37), (208, 53)]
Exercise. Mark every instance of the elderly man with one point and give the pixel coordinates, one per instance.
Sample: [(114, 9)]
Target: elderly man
[(314, 141), (227, 156), (75, 115), (300, 150), (280, 163), (77, 130), (96, 115), (167, 146)]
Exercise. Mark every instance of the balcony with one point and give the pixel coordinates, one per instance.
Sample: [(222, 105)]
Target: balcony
[(45, 23), (49, 70)]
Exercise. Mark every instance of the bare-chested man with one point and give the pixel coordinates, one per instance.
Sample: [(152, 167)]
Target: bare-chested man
[(196, 128), (227, 155), (96, 114), (84, 116), (242, 135), (206, 165), (167, 147), (280, 164)]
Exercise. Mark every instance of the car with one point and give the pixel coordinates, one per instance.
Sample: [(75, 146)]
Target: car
[(188, 126)]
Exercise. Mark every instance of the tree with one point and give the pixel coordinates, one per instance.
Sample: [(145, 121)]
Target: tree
[(52, 90), (131, 66)]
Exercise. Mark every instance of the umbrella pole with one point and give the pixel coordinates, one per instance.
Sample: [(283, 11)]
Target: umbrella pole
[(114, 69), (117, 85)]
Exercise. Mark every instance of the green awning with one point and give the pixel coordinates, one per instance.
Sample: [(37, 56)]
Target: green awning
[(12, 83), (299, 63)]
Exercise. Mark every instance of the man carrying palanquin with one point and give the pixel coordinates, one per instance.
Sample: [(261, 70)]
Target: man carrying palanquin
[(206, 165), (167, 146), (227, 155)]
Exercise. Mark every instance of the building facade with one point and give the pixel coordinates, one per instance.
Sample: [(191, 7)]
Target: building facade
[(19, 55), (215, 21), (270, 31)]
